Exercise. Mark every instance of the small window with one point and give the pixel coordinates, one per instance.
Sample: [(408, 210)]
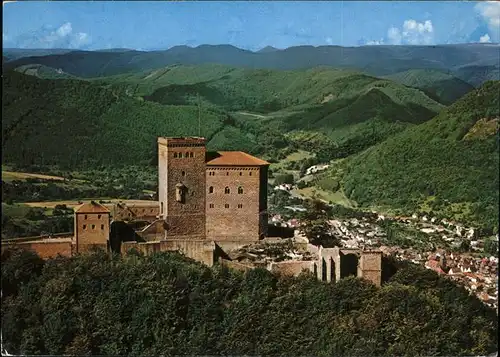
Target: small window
[(241, 173), (226, 205), (161, 207), (175, 155), (93, 226), (250, 173), (102, 226), (227, 190), (84, 226), (98, 216), (240, 190), (183, 173), (85, 217), (211, 205), (191, 154), (240, 205), (211, 189), (227, 173)]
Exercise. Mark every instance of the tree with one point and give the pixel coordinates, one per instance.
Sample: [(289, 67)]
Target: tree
[(314, 224), (284, 179)]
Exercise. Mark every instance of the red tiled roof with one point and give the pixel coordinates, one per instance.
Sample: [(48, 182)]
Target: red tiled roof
[(235, 158), (91, 207)]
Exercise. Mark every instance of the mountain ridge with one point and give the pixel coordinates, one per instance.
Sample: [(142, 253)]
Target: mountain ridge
[(375, 60)]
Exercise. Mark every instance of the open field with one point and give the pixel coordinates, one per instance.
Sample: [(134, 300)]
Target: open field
[(338, 197), (12, 175), (52, 204)]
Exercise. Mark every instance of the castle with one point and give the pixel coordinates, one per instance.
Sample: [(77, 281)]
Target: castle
[(209, 203)]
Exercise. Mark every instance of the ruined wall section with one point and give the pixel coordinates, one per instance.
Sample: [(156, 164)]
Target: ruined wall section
[(233, 203), (201, 250), (182, 187), (370, 266)]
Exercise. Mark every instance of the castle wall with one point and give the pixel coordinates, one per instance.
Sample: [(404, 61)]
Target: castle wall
[(49, 248), (293, 267), (182, 162), (233, 216), (235, 265), (201, 250)]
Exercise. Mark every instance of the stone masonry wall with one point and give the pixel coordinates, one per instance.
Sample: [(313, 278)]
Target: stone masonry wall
[(294, 268), (233, 216), (45, 249), (182, 161), (201, 250), (91, 228)]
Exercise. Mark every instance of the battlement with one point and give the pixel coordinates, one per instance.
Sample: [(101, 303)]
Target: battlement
[(189, 141)]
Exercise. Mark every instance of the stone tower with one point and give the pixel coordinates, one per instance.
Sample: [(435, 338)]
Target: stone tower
[(91, 226), (181, 190)]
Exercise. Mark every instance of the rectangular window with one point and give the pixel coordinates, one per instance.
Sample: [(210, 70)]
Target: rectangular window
[(240, 205), (84, 226), (226, 205), (93, 226), (211, 205), (102, 226), (161, 207)]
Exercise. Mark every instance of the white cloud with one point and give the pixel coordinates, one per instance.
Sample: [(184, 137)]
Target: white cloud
[(412, 33), (329, 40), (485, 38), (394, 36), (64, 30), (48, 37), (490, 11), (375, 42)]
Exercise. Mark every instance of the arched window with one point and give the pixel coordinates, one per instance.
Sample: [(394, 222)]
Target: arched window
[(227, 190), (240, 190), (250, 173), (183, 173), (211, 189)]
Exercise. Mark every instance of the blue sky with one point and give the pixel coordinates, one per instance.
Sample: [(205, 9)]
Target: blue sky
[(249, 25)]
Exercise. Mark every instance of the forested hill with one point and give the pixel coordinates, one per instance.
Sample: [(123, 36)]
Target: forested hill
[(72, 123), (440, 85), (447, 165), (167, 305), (465, 61)]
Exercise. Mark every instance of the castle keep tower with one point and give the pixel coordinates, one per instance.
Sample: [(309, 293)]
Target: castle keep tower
[(181, 190)]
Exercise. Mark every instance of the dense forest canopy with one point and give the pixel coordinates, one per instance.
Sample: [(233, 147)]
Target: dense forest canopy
[(166, 304)]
